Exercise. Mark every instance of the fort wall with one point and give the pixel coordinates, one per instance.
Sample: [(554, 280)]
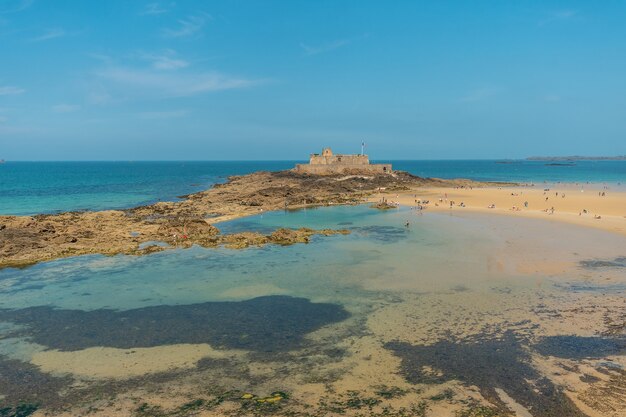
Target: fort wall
[(344, 169), (328, 164), (339, 159)]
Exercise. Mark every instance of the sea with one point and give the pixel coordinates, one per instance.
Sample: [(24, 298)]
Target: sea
[(349, 324), (28, 188)]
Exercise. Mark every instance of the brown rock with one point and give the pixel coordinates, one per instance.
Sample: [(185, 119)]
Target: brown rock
[(25, 240)]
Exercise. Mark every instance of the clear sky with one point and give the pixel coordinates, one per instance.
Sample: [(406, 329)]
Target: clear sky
[(133, 80)]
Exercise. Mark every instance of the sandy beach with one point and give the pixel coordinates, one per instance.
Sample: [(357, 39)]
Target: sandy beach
[(585, 206)]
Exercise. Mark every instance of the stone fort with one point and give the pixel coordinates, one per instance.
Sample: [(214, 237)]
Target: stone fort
[(328, 163)]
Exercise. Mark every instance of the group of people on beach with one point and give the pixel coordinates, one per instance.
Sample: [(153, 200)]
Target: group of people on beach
[(420, 205)]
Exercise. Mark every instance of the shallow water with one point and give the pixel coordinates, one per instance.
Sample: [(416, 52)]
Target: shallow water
[(345, 311)]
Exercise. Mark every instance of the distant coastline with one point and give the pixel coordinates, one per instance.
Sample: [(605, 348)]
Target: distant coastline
[(577, 158)]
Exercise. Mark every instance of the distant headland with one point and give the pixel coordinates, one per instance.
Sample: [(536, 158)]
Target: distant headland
[(577, 158)]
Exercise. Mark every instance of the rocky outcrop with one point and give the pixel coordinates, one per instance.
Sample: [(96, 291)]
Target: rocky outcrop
[(383, 205), (25, 240)]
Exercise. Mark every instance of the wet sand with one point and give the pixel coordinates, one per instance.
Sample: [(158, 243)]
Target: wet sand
[(105, 362)]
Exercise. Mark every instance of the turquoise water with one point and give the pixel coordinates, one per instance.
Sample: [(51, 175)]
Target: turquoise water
[(198, 274), (28, 188), (611, 172), (48, 187), (380, 249), (324, 270), (381, 283)]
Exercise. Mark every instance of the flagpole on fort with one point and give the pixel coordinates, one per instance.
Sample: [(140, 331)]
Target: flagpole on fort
[(362, 148)]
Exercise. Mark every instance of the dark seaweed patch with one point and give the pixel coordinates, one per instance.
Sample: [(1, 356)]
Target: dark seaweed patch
[(619, 262), (589, 379), (587, 287), (488, 364), (264, 324), (21, 410), (577, 347), (24, 387), (386, 234)]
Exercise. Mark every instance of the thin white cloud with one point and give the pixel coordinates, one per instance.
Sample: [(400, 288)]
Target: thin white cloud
[(188, 26), (565, 14), (10, 90), (559, 15), (319, 49), (148, 82), (153, 8), (166, 61), (101, 57), (98, 95), (65, 108), (158, 115), (50, 34), (478, 95)]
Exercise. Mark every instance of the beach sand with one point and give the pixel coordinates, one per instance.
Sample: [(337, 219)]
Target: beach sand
[(569, 205)]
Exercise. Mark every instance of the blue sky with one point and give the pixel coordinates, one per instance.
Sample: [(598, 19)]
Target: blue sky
[(133, 80)]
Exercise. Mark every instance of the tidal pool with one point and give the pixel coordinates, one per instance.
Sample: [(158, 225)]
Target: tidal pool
[(454, 313)]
